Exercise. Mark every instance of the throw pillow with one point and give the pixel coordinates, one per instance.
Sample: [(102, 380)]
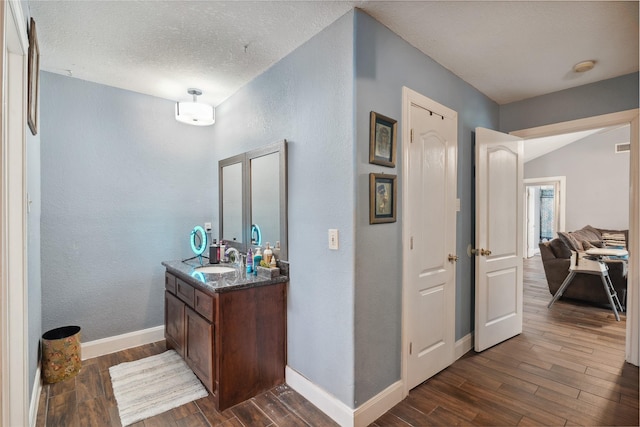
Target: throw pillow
[(560, 249), (570, 241)]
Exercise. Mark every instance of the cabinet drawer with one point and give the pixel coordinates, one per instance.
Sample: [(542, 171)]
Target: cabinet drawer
[(170, 282), (205, 305), (185, 292)]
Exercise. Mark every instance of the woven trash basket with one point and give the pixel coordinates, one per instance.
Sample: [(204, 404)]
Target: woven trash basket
[(61, 357)]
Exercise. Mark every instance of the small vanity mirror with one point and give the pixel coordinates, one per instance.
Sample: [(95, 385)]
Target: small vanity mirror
[(258, 208)]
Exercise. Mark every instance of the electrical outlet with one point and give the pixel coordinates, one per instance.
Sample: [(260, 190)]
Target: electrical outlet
[(333, 239), (207, 227)]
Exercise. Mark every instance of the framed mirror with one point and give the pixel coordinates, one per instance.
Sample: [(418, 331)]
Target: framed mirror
[(257, 202)]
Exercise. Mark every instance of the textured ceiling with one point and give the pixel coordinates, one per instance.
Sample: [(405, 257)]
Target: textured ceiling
[(507, 50)]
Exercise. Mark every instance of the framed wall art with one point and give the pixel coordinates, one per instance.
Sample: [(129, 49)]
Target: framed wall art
[(382, 140), (382, 198), (33, 75)]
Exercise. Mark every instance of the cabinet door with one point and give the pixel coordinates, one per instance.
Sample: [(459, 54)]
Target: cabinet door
[(199, 347), (174, 322)]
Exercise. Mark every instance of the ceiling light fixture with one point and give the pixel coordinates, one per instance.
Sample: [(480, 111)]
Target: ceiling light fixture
[(195, 113), (583, 66)]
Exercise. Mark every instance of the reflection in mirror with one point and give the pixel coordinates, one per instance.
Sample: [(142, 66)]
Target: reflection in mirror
[(232, 202), (265, 199)]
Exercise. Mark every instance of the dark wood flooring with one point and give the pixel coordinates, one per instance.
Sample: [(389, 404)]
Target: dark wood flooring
[(566, 368)]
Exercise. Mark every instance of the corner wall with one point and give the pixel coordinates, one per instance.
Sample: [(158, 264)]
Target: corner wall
[(307, 99)]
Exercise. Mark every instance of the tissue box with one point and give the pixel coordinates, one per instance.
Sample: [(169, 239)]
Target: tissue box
[(269, 273)]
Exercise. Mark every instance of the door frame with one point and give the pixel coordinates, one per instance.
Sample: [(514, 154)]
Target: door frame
[(631, 117), (559, 203), (410, 97), (13, 266)]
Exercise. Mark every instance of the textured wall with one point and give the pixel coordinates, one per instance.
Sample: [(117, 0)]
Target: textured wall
[(123, 184), (607, 96), (597, 179), (306, 98), (385, 63)]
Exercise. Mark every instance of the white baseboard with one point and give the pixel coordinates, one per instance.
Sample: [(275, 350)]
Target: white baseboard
[(375, 407), (327, 403), (342, 414), (35, 398), (463, 345), (121, 342)]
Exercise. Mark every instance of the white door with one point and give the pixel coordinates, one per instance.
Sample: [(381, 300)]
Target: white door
[(499, 200), (430, 159)]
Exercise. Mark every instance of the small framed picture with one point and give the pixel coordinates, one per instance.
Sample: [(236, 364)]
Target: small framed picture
[(382, 140), (382, 198), (33, 76)]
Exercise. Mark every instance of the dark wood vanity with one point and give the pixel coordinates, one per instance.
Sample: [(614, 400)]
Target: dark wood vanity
[(233, 336)]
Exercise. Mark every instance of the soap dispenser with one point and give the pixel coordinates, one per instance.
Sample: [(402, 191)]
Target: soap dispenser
[(257, 258)]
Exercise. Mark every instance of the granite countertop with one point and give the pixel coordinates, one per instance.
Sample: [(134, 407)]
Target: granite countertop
[(216, 282)]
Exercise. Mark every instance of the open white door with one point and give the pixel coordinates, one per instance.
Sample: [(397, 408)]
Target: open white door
[(499, 200)]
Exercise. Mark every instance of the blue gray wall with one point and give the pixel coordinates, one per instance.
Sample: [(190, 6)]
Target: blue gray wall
[(306, 98), (123, 184), (385, 63), (597, 179), (607, 96)]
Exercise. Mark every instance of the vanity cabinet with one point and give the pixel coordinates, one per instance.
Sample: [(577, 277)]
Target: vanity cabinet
[(234, 340)]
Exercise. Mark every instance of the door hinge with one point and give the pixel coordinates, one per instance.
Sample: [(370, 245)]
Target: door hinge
[(411, 136), (411, 243), (410, 348)]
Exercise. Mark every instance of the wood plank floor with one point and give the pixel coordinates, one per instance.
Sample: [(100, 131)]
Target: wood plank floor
[(566, 368)]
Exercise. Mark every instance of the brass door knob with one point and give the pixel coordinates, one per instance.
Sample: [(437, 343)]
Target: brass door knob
[(485, 252), (453, 258)]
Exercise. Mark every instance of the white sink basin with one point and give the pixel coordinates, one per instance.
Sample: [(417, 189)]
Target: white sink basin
[(215, 269)]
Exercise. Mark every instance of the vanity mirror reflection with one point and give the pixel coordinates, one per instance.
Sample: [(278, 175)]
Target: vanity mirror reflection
[(253, 198)]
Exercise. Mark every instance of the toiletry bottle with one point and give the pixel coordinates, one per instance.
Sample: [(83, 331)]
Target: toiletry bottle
[(214, 253), (273, 264), (223, 257), (256, 260), (268, 253), (250, 261)]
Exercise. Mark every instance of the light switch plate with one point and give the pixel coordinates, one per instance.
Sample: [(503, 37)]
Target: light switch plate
[(207, 227), (333, 239)]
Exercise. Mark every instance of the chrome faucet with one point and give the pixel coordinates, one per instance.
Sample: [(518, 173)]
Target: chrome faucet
[(235, 257)]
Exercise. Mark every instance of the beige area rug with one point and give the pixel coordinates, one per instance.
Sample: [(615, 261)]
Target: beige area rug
[(153, 385)]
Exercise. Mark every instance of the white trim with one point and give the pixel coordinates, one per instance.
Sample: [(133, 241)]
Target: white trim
[(464, 345), (14, 333), (633, 278), (379, 404), (35, 398), (327, 403), (110, 345)]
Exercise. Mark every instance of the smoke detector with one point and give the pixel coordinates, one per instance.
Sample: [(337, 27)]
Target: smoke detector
[(584, 66)]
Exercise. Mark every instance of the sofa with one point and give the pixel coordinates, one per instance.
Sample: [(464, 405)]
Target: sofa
[(556, 256)]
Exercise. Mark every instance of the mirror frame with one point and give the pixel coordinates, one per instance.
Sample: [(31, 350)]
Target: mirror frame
[(279, 147)]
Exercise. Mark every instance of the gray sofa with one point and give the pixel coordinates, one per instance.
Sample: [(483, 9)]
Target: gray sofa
[(556, 256)]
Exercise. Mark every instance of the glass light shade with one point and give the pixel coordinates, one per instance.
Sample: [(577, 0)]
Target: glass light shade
[(195, 113)]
